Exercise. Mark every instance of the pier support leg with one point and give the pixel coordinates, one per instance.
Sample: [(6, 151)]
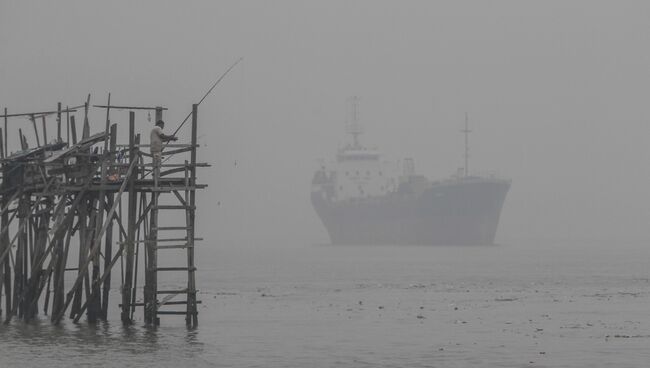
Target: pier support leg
[(129, 247)]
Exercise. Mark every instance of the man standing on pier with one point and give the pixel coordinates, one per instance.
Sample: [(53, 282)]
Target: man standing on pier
[(156, 141)]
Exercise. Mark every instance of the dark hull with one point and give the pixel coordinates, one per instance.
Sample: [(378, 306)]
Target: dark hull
[(464, 212)]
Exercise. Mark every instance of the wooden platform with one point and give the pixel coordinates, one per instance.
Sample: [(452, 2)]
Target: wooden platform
[(98, 199)]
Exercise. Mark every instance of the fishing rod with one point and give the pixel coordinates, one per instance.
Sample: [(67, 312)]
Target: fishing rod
[(202, 98), (207, 93)]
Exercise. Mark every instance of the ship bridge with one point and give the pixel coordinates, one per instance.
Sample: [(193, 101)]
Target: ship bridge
[(358, 155)]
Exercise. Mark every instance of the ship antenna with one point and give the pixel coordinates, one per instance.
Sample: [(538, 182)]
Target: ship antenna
[(466, 131), (353, 126)]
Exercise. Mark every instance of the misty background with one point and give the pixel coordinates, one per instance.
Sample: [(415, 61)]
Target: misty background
[(556, 94)]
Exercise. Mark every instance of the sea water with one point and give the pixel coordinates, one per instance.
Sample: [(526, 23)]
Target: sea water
[(519, 304)]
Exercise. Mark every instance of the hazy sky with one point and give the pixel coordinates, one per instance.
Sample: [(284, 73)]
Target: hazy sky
[(556, 92)]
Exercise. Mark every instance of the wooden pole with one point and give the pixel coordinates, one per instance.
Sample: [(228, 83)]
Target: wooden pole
[(108, 242), (83, 252), (58, 123), (95, 304), (2, 269), (59, 255), (67, 124), (85, 133), (84, 268), (192, 318), (151, 259), (37, 275), (6, 133), (93, 294), (59, 294), (73, 130), (44, 131), (142, 230), (46, 303), (130, 230), (38, 141), (23, 143), (4, 239), (151, 263), (21, 256)]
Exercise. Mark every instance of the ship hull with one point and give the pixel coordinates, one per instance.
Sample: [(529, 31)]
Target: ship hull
[(463, 212)]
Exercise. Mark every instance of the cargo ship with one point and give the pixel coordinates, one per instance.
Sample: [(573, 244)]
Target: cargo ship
[(362, 199)]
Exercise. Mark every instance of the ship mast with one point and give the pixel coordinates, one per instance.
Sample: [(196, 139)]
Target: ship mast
[(353, 126), (466, 131)]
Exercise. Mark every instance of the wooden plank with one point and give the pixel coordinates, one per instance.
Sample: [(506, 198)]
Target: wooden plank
[(128, 107), (167, 240), (172, 312), (176, 302), (164, 269), (177, 151), (176, 246), (183, 291), (36, 114)]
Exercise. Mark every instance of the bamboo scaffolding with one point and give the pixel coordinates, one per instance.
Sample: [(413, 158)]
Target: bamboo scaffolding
[(61, 198)]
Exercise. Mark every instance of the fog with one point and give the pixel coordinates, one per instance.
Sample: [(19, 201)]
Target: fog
[(556, 94)]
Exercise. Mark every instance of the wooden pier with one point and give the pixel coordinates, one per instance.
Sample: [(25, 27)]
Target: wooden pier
[(81, 215)]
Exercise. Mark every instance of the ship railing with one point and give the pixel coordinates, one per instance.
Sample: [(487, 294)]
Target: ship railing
[(479, 175)]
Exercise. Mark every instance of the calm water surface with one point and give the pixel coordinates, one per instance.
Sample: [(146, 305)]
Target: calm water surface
[(513, 305)]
